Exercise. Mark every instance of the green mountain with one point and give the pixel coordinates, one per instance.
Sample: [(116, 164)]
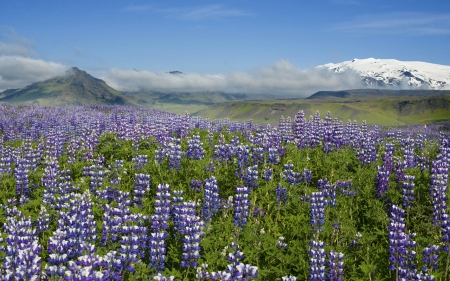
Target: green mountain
[(77, 87), (376, 93), (382, 111)]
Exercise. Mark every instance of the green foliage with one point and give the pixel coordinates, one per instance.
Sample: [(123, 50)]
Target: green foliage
[(364, 214)]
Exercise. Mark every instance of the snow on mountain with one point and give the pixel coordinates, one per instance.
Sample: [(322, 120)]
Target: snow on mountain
[(390, 72)]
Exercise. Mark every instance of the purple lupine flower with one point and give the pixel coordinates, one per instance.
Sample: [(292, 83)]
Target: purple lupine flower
[(244, 272), (408, 191), (112, 266), (356, 243), (112, 222), (257, 155), (338, 133), (220, 276), (258, 212), (50, 181), (141, 186), (243, 155), (408, 270), (236, 269), (324, 186), (211, 199), (96, 173), (5, 165), (196, 185), (157, 248), (336, 266), (43, 221), (177, 208), (22, 183), (130, 251), (346, 187), (408, 153), (57, 248), (174, 155), (289, 175), (211, 167), (22, 261), (367, 152), (161, 216), (316, 129), (382, 181), (438, 189), (397, 238), (202, 272), (430, 258), (306, 176), (222, 152), (273, 156), (280, 243), (161, 153), (281, 195), (195, 148), (289, 278), (191, 230), (401, 247), (85, 267), (160, 219), (267, 174), (76, 228), (317, 210), (317, 255), (300, 129), (241, 206), (140, 161), (327, 134), (250, 176)]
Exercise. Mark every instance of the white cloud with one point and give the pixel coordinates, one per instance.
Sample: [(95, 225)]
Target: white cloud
[(279, 78), (406, 23), (17, 72)]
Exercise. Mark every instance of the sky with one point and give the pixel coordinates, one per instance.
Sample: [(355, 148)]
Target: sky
[(232, 46)]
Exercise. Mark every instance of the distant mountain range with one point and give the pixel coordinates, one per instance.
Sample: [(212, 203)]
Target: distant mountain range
[(78, 87), (382, 73)]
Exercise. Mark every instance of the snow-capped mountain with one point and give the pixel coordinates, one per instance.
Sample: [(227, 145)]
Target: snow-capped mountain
[(390, 72)]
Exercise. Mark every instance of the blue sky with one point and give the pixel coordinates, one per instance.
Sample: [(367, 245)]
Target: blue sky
[(39, 39)]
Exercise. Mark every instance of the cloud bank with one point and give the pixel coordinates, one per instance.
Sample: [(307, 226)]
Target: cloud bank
[(17, 67), (17, 72), (279, 78)]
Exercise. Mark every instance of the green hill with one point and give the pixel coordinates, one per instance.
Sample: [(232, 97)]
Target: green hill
[(75, 88), (204, 98), (376, 93), (181, 102), (382, 111)]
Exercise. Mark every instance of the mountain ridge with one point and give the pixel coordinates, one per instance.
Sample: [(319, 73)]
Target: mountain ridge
[(385, 73)]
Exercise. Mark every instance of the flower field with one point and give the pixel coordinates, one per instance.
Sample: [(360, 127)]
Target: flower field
[(126, 193)]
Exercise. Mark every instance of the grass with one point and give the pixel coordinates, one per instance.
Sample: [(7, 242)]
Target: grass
[(382, 111)]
